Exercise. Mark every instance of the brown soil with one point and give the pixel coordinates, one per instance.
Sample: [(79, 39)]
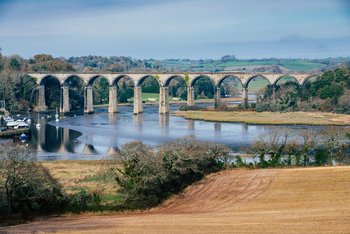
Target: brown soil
[(306, 200)]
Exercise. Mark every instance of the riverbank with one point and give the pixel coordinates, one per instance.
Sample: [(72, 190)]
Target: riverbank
[(268, 118), (296, 200), (13, 132)]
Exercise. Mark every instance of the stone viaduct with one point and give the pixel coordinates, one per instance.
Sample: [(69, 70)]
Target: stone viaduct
[(163, 80)]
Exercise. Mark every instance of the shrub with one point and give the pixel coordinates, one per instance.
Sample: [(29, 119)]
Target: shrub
[(223, 107), (147, 176), (321, 157), (185, 107)]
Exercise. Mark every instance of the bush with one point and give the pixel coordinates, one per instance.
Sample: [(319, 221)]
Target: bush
[(26, 186), (83, 200), (321, 157), (223, 107), (185, 107), (146, 176)]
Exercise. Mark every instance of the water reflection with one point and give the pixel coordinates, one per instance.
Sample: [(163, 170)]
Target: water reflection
[(138, 123), (52, 139), (191, 124), (164, 124), (217, 128)]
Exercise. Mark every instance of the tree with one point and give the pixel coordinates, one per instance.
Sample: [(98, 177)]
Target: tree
[(227, 58), (25, 184), (15, 64)]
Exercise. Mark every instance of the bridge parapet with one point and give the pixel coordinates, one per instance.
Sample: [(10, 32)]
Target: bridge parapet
[(164, 78)]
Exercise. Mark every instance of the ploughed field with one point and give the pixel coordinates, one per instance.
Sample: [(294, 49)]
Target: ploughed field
[(301, 200)]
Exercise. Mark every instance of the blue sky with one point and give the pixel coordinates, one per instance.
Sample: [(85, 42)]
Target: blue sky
[(176, 29)]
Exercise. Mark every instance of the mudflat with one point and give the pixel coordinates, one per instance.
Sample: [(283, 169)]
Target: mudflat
[(268, 118)]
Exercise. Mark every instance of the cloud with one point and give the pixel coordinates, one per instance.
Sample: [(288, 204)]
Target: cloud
[(164, 28)]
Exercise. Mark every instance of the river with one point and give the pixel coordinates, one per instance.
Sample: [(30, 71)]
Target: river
[(93, 137)]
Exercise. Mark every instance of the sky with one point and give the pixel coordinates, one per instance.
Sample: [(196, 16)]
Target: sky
[(176, 29)]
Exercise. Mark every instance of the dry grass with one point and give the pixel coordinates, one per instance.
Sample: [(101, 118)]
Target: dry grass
[(306, 200), (76, 175), (271, 118)]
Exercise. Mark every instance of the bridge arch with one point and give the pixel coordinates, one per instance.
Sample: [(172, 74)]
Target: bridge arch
[(194, 80), (92, 79), (100, 89), (170, 78), (43, 80), (295, 80), (71, 77), (116, 79), (246, 85), (143, 78), (51, 86), (74, 98), (308, 78), (219, 82)]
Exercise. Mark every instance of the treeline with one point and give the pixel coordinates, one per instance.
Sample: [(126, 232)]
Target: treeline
[(16, 88), (112, 64), (328, 147), (329, 92)]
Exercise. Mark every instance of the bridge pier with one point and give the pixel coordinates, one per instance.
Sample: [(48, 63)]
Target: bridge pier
[(65, 99), (89, 109), (217, 97), (273, 92), (190, 96), (112, 104), (41, 105), (245, 103), (137, 100), (163, 99)]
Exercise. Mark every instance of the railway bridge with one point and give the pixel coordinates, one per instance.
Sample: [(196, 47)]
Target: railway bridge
[(163, 79)]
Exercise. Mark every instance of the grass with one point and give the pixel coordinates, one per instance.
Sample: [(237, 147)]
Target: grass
[(268, 118), (75, 175), (302, 65), (147, 96)]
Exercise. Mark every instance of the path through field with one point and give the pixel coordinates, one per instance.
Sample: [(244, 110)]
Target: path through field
[(311, 200)]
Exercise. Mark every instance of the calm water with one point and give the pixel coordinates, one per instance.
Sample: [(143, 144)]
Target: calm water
[(95, 136)]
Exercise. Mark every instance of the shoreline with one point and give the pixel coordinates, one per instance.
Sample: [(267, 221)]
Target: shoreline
[(274, 118)]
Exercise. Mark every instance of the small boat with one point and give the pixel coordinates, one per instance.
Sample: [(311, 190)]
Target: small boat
[(21, 120), (23, 137), (56, 115), (38, 124), (12, 124), (8, 119), (21, 125)]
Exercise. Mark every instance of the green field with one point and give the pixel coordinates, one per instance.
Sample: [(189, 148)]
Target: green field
[(302, 65), (217, 66), (147, 96)]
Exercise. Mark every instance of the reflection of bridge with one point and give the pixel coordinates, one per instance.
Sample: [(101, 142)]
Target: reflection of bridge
[(163, 80)]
